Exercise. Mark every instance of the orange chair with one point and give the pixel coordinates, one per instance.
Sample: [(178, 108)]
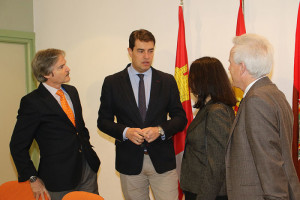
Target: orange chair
[(13, 190), (80, 195)]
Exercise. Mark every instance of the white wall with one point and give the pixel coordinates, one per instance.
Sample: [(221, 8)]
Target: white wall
[(94, 33)]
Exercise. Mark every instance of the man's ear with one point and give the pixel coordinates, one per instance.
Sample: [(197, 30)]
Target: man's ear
[(243, 68), (49, 75), (129, 52)]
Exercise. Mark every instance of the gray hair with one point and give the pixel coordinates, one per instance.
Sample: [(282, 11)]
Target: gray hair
[(43, 62), (256, 52)]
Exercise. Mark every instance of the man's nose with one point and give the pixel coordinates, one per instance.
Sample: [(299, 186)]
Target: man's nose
[(146, 55)]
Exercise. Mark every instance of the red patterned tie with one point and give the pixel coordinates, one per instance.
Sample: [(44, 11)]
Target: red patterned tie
[(65, 106)]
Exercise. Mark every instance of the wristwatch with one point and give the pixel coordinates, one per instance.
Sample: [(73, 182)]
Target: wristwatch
[(161, 131), (32, 179)]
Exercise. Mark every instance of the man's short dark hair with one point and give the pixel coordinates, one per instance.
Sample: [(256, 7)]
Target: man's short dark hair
[(142, 35)]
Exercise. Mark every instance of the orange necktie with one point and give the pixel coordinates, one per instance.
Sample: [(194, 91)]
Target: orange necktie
[(65, 106)]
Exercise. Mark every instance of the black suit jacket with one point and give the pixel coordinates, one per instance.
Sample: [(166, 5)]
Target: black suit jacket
[(40, 117), (117, 100)]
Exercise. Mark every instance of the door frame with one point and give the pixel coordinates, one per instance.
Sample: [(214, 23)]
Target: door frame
[(28, 40)]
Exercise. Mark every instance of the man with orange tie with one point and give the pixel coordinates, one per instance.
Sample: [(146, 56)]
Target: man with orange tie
[(52, 115)]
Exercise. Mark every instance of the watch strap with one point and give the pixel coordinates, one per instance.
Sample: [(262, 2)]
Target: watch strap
[(32, 179)]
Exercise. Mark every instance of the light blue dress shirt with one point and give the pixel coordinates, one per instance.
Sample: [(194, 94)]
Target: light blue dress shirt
[(134, 79)]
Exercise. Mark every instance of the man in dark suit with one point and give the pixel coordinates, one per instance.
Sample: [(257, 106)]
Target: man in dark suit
[(141, 98), (259, 156), (52, 115)]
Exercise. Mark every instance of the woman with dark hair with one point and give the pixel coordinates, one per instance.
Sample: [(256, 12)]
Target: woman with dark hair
[(203, 164)]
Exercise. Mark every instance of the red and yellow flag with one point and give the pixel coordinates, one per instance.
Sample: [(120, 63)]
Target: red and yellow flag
[(181, 77), (296, 103), (240, 30)]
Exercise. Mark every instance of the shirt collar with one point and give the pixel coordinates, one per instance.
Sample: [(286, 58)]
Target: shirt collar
[(52, 90), (133, 71)]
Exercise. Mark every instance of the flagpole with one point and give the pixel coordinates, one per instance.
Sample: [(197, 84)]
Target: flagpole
[(181, 5), (243, 7)]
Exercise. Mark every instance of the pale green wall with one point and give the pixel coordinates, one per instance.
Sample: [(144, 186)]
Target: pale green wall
[(16, 15), (16, 29)]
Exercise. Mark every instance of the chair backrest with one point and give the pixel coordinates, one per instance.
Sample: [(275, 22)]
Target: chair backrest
[(80, 195), (14, 190)]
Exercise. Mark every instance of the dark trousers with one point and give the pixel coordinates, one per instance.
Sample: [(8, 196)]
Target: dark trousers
[(193, 196), (88, 183)]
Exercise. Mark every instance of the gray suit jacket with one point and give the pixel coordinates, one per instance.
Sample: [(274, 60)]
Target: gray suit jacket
[(259, 159), (203, 164)]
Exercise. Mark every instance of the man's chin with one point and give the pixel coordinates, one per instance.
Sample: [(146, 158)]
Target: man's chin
[(67, 80), (146, 67)]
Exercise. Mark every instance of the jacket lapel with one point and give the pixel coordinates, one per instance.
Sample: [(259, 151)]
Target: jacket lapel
[(197, 120), (154, 93), (237, 118), (129, 99), (200, 116), (52, 103)]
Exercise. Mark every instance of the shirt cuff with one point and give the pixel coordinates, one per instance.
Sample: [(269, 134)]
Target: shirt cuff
[(124, 134)]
